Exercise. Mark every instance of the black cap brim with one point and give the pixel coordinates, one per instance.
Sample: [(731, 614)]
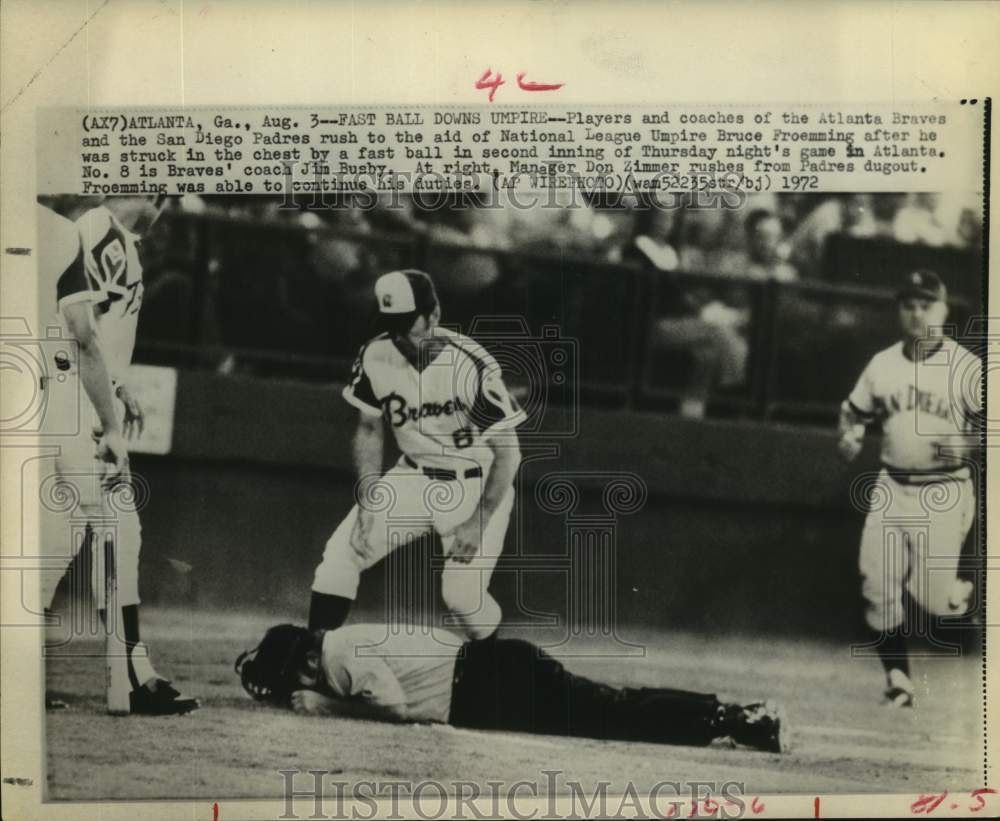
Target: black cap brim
[(921, 293)]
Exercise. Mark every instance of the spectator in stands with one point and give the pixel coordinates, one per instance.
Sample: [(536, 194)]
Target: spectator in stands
[(766, 250), (884, 208), (969, 230), (838, 214), (657, 241), (611, 225), (713, 322), (565, 222), (696, 322), (668, 239), (937, 219), (917, 221)]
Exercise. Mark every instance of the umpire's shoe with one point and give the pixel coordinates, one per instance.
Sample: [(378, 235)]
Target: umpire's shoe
[(761, 725), (158, 697)]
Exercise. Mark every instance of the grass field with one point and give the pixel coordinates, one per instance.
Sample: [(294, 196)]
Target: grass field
[(232, 748)]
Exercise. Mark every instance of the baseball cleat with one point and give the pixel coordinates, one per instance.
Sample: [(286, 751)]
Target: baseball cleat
[(899, 693), (761, 725), (160, 698)]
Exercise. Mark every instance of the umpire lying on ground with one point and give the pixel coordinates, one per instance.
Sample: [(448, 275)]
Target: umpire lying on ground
[(364, 671)]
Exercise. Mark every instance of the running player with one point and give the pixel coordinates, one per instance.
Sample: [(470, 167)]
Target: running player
[(444, 399), (924, 391)]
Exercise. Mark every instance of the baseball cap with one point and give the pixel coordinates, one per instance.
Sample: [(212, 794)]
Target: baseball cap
[(395, 294), (922, 284), (401, 297), (405, 292)]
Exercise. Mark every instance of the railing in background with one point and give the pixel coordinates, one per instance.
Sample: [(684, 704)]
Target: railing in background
[(280, 300)]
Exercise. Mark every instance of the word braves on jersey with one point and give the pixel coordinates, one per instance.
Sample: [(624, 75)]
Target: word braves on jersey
[(443, 414), (921, 404)]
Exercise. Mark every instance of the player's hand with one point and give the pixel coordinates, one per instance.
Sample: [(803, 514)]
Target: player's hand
[(466, 542), (849, 447), (111, 449), (309, 702), (135, 418)]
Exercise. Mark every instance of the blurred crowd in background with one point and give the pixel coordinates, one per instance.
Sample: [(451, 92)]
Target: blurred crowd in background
[(255, 282), (787, 245)]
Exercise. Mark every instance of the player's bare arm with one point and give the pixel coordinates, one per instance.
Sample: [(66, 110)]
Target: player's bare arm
[(97, 384), (368, 448), (507, 459)]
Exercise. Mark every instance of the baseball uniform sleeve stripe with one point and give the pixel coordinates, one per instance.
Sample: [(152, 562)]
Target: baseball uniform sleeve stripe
[(73, 284), (360, 392), (364, 407), (862, 414), (494, 409)]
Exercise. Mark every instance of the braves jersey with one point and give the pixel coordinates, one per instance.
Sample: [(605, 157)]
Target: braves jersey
[(60, 265), (112, 282), (443, 415), (921, 404)]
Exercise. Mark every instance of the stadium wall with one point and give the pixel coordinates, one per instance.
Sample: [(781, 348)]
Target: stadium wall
[(746, 526)]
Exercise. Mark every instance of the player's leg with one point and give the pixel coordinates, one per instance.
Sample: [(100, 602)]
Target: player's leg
[(934, 583), (70, 495), (513, 684), (884, 564), (465, 587), (70, 492), (336, 580), (133, 684), (62, 534), (962, 590)]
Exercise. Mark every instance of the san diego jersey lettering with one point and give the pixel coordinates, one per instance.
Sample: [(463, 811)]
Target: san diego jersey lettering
[(921, 404), (442, 415)]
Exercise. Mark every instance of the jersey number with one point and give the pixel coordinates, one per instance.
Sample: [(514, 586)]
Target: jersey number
[(462, 437)]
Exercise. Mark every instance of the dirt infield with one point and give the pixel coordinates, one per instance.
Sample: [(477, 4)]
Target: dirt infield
[(843, 740)]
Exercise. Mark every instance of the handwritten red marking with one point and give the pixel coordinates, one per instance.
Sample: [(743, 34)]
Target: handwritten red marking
[(215, 811), (757, 806), (816, 807), (527, 85), (927, 803), (980, 801), (485, 82)]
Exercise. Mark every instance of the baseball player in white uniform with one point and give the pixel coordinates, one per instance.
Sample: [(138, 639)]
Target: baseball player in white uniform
[(92, 280), (925, 393), (444, 399)]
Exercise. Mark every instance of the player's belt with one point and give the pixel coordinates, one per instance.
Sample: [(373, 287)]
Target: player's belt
[(926, 476), (442, 474)]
